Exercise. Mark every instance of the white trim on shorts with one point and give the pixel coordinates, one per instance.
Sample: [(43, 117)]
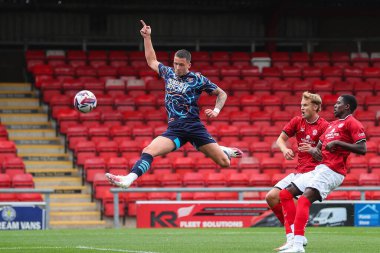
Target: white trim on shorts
[(322, 178), (286, 181)]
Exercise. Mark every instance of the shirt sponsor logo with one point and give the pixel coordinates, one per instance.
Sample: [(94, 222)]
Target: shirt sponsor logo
[(176, 86)]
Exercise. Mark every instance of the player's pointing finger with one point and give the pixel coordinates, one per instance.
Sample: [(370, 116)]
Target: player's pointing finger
[(142, 22)]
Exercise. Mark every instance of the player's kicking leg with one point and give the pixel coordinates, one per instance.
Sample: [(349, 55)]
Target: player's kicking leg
[(159, 146)]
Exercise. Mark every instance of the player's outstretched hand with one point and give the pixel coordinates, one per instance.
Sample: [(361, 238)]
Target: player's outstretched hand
[(146, 30), (211, 113)]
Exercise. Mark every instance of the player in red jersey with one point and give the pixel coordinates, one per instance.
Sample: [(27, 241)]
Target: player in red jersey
[(307, 129), (342, 137)]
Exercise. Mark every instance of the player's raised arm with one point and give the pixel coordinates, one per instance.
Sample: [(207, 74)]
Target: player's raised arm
[(220, 100), (150, 55)]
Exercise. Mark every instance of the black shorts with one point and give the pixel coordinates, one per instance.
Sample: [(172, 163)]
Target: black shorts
[(181, 132)]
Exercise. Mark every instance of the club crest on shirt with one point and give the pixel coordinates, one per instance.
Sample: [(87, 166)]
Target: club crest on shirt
[(302, 129), (341, 125), (315, 132)]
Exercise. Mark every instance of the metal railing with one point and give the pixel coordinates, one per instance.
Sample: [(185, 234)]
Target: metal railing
[(46, 192), (239, 190), (308, 44)]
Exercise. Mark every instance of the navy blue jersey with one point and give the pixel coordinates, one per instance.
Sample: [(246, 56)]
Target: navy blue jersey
[(182, 93)]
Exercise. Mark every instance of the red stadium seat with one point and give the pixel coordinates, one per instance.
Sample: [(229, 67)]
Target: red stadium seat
[(280, 59), (216, 180), (237, 180), (340, 59), (272, 165), (353, 74), (357, 164), (250, 73), (13, 166), (369, 179), (312, 73), (93, 166), (351, 179), (249, 165), (5, 181), (323, 87), (271, 103), (291, 73), (282, 88), (338, 195), (299, 59), (107, 149), (193, 180), (250, 103), (148, 180), (261, 87), (371, 74), (271, 73), (84, 150), (171, 180), (360, 60), (261, 118), (23, 181), (260, 180), (332, 74), (117, 165), (100, 186), (341, 88), (120, 133), (183, 165), (161, 165), (363, 89), (205, 165)]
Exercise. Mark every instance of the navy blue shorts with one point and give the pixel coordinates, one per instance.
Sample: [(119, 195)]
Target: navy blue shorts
[(181, 132)]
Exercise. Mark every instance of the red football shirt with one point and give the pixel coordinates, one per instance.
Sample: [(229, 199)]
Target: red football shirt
[(348, 130), (305, 132)]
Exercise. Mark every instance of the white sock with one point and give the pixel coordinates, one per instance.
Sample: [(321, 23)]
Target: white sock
[(130, 178), (292, 227), (289, 237), (298, 240)]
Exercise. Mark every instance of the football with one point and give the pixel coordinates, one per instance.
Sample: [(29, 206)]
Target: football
[(85, 101)]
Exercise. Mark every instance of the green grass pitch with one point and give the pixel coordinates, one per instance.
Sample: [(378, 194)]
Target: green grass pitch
[(249, 240)]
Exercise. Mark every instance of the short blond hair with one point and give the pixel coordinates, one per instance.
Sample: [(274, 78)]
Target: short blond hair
[(314, 98)]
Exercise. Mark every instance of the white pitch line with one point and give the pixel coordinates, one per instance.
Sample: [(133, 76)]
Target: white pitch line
[(39, 247), (77, 247), (113, 250)]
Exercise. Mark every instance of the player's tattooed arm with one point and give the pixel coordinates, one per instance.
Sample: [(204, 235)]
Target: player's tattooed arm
[(220, 100)]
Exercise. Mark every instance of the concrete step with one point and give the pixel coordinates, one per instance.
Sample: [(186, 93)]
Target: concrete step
[(22, 109), (73, 206), (74, 216), (17, 133), (48, 164), (44, 157), (24, 117), (77, 224), (53, 172), (29, 125), (57, 181), (18, 94), (70, 198), (69, 189), (19, 101), (15, 87), (38, 149), (37, 140)]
